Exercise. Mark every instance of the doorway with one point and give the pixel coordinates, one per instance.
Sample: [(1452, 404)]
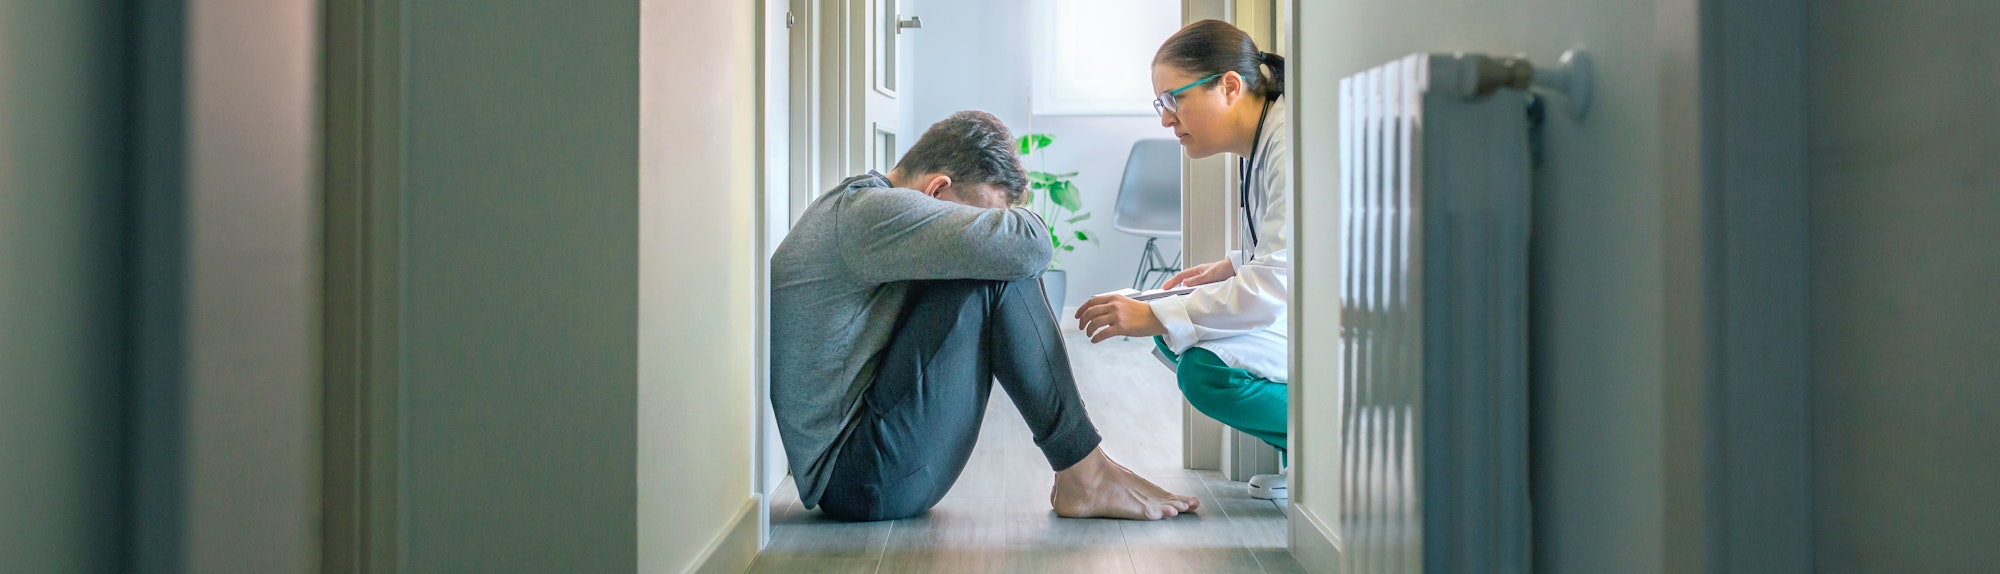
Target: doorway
[(850, 84)]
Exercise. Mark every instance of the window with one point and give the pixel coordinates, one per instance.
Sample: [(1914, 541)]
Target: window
[(1095, 57)]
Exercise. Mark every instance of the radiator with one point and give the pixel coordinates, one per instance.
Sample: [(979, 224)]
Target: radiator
[(1434, 321)]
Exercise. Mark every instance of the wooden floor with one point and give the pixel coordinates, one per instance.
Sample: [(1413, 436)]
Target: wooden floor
[(997, 518)]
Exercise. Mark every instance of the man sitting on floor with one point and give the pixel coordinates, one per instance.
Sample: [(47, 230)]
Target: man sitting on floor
[(896, 302)]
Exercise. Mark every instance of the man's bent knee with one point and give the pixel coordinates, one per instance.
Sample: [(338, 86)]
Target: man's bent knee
[(873, 505)]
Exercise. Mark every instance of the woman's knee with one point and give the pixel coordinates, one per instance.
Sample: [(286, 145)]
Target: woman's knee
[(1204, 387)]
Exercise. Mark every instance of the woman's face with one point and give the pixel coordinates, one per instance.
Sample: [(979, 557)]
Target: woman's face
[(1202, 119)]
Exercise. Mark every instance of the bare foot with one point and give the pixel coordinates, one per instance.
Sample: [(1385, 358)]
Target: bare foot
[(1096, 487)]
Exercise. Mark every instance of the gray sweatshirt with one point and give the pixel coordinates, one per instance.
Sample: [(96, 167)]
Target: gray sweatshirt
[(839, 282)]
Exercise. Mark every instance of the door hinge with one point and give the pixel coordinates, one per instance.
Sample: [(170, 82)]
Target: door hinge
[(910, 22), (789, 20)]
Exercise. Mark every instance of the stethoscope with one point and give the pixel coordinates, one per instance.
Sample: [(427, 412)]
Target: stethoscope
[(1245, 168)]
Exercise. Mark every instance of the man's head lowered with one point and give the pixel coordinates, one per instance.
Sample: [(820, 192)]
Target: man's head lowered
[(968, 158)]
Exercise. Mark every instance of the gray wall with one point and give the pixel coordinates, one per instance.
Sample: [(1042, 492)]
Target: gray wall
[(975, 56), (1906, 285), (1597, 276), (577, 265), (520, 286), (60, 215), (189, 182), (522, 245)]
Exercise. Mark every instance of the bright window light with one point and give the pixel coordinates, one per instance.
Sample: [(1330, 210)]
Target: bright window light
[(1094, 57)]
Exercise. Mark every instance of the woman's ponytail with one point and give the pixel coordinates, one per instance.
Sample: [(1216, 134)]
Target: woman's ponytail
[(1276, 86), (1213, 46)]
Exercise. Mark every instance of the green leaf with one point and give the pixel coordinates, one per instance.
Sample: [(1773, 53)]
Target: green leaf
[(1069, 248), (1031, 142), (1042, 178), (1064, 175), (1086, 215), (1064, 194)]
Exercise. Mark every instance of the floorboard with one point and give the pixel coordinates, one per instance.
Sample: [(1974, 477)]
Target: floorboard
[(997, 517)]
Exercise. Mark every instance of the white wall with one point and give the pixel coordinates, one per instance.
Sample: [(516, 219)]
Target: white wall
[(60, 216), (1597, 352), (697, 245), (1096, 147), (1905, 261), (975, 56)]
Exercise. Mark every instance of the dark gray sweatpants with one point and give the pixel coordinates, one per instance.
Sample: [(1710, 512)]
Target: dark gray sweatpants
[(921, 417)]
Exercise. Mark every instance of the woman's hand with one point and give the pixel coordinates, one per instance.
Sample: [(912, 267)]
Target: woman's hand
[(1202, 274), (1107, 316)]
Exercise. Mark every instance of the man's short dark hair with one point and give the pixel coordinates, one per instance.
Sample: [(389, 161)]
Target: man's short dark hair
[(972, 147)]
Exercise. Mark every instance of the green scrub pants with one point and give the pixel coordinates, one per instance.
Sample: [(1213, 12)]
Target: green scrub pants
[(1235, 397)]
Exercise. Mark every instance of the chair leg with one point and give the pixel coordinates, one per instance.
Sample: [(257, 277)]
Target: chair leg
[(1145, 271), (1154, 261)]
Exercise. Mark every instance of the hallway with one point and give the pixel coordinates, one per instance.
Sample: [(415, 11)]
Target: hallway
[(997, 518), (400, 286)]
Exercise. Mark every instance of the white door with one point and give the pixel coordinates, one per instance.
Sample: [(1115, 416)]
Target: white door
[(878, 134)]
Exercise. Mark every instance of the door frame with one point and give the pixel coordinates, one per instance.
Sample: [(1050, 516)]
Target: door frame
[(1209, 233), (1205, 235), (812, 125), (825, 143), (1738, 398), (362, 72)]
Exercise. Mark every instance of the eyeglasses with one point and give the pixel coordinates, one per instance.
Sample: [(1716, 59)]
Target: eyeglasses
[(1167, 102)]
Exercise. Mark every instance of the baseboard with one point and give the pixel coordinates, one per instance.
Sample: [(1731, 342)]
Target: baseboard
[(732, 550), (1314, 545)]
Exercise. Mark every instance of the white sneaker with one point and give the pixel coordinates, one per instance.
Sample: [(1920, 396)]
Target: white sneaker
[(1271, 486)]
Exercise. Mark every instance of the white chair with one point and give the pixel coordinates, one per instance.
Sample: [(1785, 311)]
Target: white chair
[(1149, 206)]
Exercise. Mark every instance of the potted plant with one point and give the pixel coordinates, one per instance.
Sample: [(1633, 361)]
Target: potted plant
[(1054, 197)]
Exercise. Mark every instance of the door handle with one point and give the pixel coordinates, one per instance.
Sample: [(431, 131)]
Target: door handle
[(910, 22)]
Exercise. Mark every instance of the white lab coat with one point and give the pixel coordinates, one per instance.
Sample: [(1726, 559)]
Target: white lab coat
[(1243, 319)]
